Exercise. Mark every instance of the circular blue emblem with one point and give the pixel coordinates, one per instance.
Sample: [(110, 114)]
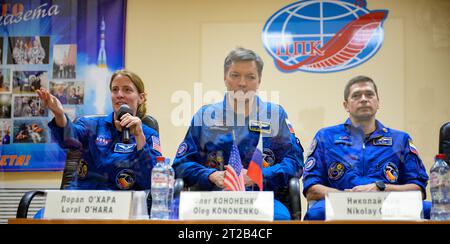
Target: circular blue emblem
[(310, 164), (182, 149), (102, 141), (323, 36), (125, 179), (336, 171), (390, 172)]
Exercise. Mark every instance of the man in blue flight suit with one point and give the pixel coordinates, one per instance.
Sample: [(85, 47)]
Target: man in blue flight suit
[(361, 155), (206, 148)]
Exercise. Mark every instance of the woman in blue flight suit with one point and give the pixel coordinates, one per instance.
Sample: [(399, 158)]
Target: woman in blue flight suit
[(206, 148), (108, 163), (361, 154)]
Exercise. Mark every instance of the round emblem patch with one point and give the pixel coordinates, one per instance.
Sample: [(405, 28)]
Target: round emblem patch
[(336, 171), (310, 164), (268, 157), (182, 149), (102, 141), (125, 179), (390, 172), (82, 168), (215, 160)]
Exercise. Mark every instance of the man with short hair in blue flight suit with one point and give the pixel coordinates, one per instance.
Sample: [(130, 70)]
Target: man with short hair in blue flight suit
[(206, 148), (361, 155)]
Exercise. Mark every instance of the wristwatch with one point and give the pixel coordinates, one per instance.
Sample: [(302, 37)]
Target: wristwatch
[(380, 185)]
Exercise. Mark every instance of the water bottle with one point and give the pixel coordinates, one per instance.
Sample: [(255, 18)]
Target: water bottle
[(171, 184), (160, 190), (439, 187)]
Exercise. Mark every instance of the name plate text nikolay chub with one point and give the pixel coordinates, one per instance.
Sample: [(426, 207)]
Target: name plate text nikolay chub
[(373, 205)]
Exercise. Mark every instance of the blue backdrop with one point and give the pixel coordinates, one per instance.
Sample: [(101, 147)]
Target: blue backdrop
[(70, 47)]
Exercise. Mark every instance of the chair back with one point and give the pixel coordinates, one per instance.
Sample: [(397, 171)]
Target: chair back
[(151, 122), (72, 158)]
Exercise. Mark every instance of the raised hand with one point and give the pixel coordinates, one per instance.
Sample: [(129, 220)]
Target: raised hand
[(51, 102), (135, 125)]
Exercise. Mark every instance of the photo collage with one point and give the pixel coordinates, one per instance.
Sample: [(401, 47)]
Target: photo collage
[(26, 66)]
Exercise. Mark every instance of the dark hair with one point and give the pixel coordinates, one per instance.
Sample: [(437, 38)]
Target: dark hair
[(243, 54), (137, 81), (356, 80)]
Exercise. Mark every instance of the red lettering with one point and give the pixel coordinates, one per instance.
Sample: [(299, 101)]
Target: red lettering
[(314, 48), (19, 160), (28, 160), (302, 48), (15, 160), (286, 51), (3, 160), (12, 159)]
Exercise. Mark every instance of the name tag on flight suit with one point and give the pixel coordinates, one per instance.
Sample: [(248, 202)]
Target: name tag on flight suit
[(340, 139), (383, 141), (124, 148), (259, 126)]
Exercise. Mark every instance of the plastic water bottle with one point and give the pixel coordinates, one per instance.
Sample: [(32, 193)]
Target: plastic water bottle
[(439, 187), (171, 184), (160, 190)]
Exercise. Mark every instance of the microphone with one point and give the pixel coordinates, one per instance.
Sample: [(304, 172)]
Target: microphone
[(125, 131)]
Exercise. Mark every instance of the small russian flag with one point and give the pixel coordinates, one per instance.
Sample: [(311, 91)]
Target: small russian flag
[(289, 125), (413, 148), (255, 166)]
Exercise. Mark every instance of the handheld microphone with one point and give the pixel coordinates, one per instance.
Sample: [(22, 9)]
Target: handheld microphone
[(125, 131)]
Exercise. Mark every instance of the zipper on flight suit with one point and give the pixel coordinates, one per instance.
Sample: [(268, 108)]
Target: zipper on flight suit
[(364, 157), (364, 151)]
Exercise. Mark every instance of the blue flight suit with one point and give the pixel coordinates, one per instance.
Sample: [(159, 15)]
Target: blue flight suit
[(341, 157), (108, 164), (207, 146)]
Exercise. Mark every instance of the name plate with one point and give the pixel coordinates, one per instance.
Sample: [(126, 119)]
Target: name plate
[(83, 204), (226, 205), (373, 205)]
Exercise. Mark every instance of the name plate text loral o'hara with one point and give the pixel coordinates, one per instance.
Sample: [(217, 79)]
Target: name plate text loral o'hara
[(88, 204)]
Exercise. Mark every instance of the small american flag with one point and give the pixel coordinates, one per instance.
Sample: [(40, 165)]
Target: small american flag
[(234, 180), (156, 144)]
